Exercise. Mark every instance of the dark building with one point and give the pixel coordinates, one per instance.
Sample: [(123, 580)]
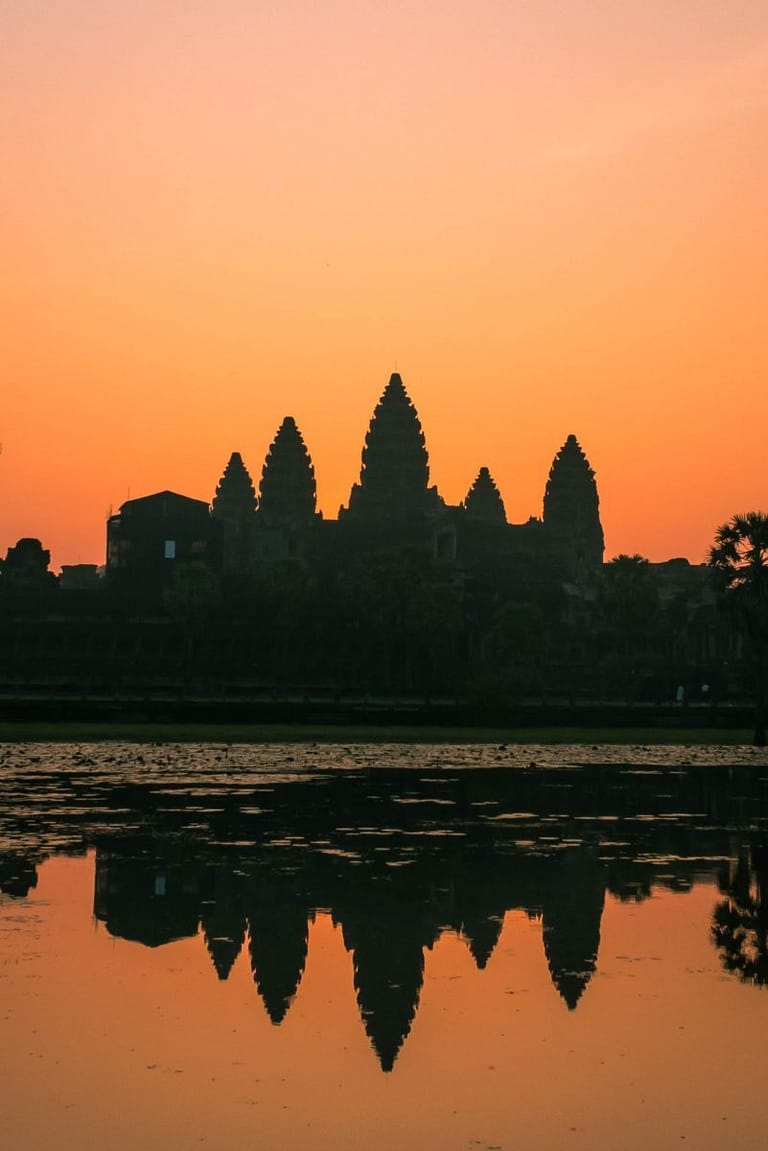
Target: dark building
[(392, 507), (148, 536), (402, 593)]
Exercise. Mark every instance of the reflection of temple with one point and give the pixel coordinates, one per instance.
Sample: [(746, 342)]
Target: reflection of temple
[(388, 919), (400, 860)]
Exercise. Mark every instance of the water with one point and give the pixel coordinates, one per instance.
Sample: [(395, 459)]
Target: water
[(382, 947)]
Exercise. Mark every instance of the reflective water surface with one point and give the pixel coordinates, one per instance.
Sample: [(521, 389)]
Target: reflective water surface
[(386, 947)]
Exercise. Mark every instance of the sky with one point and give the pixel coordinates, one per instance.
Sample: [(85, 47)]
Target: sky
[(548, 215)]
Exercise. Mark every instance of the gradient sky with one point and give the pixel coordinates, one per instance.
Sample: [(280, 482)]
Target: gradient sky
[(549, 216)]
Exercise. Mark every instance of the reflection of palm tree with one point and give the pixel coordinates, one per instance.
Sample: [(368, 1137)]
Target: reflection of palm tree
[(740, 922), (740, 555)]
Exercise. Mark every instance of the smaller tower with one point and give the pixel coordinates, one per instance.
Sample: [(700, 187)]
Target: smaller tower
[(484, 503), (288, 492), (234, 508)]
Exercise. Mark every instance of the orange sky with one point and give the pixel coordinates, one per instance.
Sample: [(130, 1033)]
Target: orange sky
[(550, 217)]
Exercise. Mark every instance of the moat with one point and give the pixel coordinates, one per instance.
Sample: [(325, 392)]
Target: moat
[(433, 946)]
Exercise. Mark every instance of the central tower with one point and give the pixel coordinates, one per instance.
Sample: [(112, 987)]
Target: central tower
[(394, 477), (572, 509)]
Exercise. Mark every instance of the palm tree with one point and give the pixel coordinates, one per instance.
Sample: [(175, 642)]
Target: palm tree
[(740, 556)]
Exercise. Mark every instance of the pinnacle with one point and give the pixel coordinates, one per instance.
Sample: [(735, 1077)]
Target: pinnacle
[(483, 500), (287, 489)]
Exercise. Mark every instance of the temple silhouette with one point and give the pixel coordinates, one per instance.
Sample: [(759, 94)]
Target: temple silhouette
[(392, 507), (256, 595)]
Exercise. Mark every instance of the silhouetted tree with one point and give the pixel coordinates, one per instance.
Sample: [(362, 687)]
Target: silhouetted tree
[(513, 652), (191, 598), (288, 619), (406, 620), (740, 556), (629, 613)]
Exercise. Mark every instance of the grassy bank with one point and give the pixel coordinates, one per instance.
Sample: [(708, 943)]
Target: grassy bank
[(84, 732)]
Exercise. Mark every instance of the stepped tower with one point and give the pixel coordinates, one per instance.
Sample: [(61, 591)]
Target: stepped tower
[(571, 509), (224, 935), (387, 948), (234, 507), (394, 478), (571, 918), (483, 503), (288, 492), (482, 934), (222, 918), (278, 933)]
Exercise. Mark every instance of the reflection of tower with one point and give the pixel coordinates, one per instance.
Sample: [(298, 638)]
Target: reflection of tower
[(572, 911), (481, 897), (387, 945), (277, 943), (394, 477), (482, 934), (223, 922)]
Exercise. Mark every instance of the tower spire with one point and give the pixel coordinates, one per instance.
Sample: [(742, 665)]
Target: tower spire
[(234, 507), (483, 502), (288, 492), (572, 508), (394, 476)]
